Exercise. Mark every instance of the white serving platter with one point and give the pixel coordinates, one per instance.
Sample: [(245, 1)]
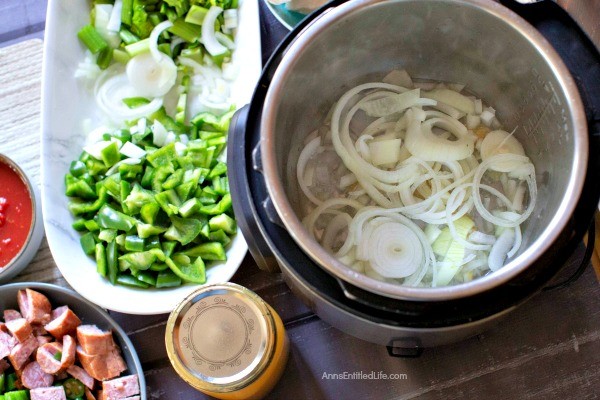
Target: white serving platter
[(67, 109)]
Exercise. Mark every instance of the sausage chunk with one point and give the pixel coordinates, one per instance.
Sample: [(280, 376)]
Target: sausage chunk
[(34, 377)]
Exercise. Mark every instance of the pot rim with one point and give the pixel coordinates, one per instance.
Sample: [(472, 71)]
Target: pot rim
[(327, 261)]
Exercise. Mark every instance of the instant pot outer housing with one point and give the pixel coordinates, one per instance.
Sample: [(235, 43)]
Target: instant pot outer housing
[(501, 58)]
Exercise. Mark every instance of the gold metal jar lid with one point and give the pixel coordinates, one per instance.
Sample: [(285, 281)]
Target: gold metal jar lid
[(220, 338)]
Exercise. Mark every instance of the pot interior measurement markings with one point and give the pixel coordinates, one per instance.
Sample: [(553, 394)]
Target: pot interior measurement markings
[(548, 116)]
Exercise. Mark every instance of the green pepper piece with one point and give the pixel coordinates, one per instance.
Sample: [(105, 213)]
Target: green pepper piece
[(129, 280), (91, 225), (162, 156), (213, 251), (77, 207), (137, 198), (205, 232), (184, 190), (130, 171), (124, 135), (101, 259), (223, 222), (207, 197), (218, 170), (196, 145), (112, 261), (148, 212), (195, 272), (219, 236), (134, 243), (17, 395), (217, 142), (190, 207), (204, 158), (11, 380), (183, 230), (95, 167), (221, 207), (112, 184), (73, 388), (125, 191), (181, 107), (2, 382), (110, 154), (140, 260), (147, 277), (166, 278), (206, 135), (168, 201), (79, 188), (120, 240), (159, 267), (153, 242), (146, 181), (210, 122), (112, 219), (134, 102), (185, 162), (107, 235), (77, 168), (168, 248), (146, 230), (173, 180), (221, 185), (88, 243), (160, 175), (79, 225)]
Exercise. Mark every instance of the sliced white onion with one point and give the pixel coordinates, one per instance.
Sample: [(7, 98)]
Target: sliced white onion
[(95, 149), (149, 77), (225, 40), (110, 90), (153, 40), (421, 142), (114, 23), (180, 148), (212, 45), (230, 18), (453, 99), (132, 151), (482, 238), (500, 249), (307, 153), (129, 161), (159, 134)]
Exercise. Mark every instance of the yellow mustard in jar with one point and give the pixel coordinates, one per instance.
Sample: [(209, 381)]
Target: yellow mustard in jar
[(227, 342)]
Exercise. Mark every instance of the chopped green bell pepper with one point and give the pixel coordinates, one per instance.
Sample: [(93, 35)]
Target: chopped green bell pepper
[(111, 219), (213, 251), (166, 278), (183, 230)]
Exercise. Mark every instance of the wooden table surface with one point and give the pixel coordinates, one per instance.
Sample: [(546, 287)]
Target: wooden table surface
[(548, 348)]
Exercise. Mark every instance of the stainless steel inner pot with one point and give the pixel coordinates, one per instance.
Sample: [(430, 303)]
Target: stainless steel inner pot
[(499, 56)]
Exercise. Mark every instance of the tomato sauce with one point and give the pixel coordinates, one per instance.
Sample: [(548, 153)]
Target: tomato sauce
[(16, 213)]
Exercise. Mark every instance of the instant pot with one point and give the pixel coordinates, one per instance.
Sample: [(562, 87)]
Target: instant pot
[(548, 91)]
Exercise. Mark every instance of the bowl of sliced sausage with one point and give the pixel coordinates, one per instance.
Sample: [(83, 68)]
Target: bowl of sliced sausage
[(55, 345)]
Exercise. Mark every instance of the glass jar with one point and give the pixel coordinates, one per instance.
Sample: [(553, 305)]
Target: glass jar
[(227, 342)]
